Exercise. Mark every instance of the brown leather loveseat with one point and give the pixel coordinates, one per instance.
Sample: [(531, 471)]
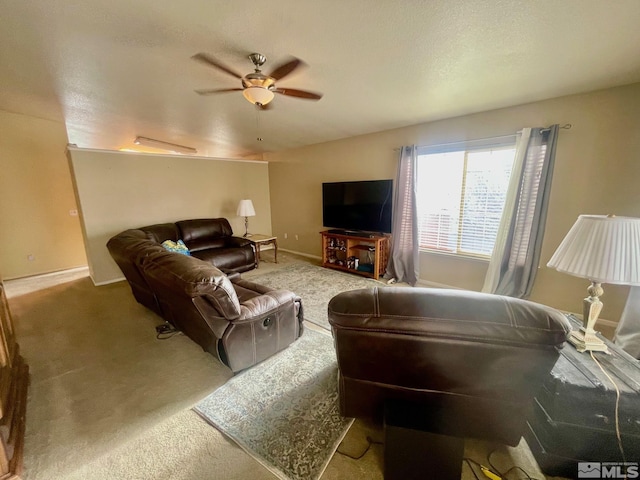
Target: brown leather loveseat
[(441, 365), (209, 239)]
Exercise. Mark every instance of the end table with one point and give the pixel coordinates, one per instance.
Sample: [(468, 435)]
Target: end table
[(258, 240)]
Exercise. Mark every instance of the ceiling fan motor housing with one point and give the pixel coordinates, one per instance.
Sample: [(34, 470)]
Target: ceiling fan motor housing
[(257, 80)]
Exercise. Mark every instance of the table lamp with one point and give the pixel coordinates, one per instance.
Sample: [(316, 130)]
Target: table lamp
[(245, 209), (602, 249)]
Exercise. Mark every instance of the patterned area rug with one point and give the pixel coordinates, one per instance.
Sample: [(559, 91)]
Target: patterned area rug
[(315, 285), (284, 411)]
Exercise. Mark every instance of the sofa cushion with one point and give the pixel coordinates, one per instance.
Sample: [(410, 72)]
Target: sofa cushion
[(161, 232), (227, 258), (191, 231), (194, 278), (206, 243)]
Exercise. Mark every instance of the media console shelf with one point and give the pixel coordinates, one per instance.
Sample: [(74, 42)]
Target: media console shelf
[(355, 252)]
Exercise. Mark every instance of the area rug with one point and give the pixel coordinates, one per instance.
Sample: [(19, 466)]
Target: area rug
[(284, 411), (315, 285)]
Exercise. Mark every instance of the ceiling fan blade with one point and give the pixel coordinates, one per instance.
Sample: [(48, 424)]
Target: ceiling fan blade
[(217, 90), (292, 92), (206, 59), (286, 68)]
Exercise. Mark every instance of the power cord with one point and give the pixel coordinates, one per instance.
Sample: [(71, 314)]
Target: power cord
[(370, 441), (504, 475), (617, 409), (471, 462), (492, 473)]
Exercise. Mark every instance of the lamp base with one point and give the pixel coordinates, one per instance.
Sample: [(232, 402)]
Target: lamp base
[(586, 342), (586, 339)]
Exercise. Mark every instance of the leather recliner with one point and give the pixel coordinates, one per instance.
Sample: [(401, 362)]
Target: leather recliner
[(238, 321), (440, 365)]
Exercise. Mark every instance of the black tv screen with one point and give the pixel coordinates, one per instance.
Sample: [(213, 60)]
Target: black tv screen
[(364, 205)]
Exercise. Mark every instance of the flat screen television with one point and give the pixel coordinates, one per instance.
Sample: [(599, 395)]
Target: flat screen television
[(358, 206)]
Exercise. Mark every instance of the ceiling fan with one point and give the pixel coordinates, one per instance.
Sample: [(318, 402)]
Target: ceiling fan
[(257, 87)]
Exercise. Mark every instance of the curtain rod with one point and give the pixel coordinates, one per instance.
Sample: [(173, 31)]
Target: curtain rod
[(566, 126)]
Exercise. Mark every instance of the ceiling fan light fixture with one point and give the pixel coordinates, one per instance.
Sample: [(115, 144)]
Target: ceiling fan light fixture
[(258, 95)]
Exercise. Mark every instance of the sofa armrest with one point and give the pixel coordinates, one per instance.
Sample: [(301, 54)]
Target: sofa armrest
[(255, 287), (237, 242), (264, 304), (231, 275)]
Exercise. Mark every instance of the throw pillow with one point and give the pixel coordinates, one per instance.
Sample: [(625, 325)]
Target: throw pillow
[(177, 247)]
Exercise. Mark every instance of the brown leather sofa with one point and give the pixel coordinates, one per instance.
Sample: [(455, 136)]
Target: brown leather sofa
[(239, 322), (208, 239), (441, 365)]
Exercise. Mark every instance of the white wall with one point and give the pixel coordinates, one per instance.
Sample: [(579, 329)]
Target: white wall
[(120, 190), (597, 170), (38, 233)]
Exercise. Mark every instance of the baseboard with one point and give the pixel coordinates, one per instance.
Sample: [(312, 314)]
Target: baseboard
[(23, 285), (601, 321), (427, 283), (107, 282), (308, 255), (44, 275)]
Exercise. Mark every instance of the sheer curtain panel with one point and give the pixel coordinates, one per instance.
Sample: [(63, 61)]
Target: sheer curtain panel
[(514, 261), (627, 333), (403, 263)]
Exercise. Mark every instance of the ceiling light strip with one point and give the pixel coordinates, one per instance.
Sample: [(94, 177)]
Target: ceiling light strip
[(172, 147)]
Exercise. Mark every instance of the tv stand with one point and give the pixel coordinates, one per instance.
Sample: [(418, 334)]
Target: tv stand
[(361, 253)]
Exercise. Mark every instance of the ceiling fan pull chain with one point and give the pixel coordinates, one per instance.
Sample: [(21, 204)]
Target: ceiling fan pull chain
[(258, 138)]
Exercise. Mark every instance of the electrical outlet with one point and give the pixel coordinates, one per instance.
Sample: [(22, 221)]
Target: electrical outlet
[(73, 213), (296, 237), (286, 236)]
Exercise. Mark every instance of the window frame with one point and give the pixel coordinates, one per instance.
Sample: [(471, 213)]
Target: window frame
[(495, 143)]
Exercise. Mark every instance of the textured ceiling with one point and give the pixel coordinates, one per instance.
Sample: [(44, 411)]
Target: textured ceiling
[(112, 70)]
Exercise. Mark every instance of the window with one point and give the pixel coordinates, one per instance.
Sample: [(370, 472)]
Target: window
[(461, 190)]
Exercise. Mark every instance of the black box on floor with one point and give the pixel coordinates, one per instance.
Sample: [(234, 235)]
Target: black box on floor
[(574, 415)]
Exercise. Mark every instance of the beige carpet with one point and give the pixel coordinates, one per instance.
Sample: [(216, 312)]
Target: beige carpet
[(109, 401)]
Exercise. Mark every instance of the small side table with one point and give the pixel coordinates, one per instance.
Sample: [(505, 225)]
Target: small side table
[(258, 240)]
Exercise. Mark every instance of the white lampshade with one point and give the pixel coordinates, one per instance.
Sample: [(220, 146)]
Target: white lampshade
[(258, 95), (601, 248), (245, 209)]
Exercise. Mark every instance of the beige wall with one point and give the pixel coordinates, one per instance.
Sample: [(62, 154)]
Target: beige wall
[(35, 199), (120, 190), (597, 171)]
